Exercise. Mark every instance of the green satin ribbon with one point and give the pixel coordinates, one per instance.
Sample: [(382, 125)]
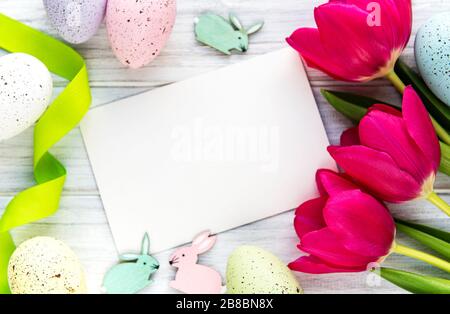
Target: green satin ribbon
[(62, 115)]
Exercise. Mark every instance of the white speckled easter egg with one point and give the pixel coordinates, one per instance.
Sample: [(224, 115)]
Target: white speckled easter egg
[(25, 91), (432, 50), (252, 270), (138, 30), (44, 265), (76, 20)]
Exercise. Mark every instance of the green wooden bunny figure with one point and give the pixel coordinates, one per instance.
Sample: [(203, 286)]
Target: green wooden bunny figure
[(134, 273), (225, 36)]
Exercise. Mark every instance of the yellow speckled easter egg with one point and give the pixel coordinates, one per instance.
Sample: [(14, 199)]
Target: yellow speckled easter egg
[(44, 265), (252, 270)]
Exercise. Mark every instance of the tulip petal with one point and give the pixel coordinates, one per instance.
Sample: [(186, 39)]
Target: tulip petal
[(419, 126), (307, 42), (377, 172), (325, 245), (404, 26), (394, 15), (366, 49), (388, 133), (387, 109), (308, 216), (332, 183), (362, 224), (350, 137), (313, 265)]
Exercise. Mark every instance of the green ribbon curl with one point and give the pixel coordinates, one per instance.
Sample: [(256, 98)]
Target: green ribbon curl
[(66, 111)]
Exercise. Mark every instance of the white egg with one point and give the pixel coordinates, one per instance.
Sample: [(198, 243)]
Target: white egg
[(25, 92), (44, 265)]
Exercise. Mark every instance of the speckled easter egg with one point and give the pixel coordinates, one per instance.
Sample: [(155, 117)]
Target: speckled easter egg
[(76, 20), (44, 265), (252, 270), (138, 30), (25, 91), (432, 50)]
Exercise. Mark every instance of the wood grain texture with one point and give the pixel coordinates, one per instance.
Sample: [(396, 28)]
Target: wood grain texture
[(81, 221)]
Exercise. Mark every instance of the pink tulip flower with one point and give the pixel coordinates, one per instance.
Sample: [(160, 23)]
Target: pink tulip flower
[(356, 40), (393, 155), (344, 230)]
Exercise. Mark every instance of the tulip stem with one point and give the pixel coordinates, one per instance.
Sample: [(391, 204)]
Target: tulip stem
[(440, 131), (425, 257), (396, 81), (439, 202)]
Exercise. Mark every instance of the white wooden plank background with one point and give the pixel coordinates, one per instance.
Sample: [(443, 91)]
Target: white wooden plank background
[(81, 221)]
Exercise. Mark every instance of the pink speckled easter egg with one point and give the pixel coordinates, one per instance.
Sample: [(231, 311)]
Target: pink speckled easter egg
[(139, 29)]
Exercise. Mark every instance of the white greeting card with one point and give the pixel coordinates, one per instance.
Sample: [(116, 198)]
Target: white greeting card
[(213, 152)]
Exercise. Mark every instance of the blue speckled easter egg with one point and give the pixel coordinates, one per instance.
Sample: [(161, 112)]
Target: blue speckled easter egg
[(433, 55), (76, 20)]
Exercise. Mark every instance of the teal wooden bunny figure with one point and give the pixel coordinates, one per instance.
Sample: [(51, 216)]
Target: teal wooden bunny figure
[(134, 273), (225, 36)]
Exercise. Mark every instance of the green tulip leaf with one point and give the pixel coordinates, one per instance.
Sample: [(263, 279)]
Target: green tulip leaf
[(416, 283), (439, 110), (440, 246), (350, 105), (445, 159), (442, 235)]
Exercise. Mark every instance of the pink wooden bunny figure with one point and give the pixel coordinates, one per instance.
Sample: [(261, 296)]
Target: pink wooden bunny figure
[(192, 278)]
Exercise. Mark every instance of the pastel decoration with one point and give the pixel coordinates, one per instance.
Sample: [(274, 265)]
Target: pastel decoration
[(63, 114), (25, 90), (134, 273), (432, 49), (191, 277), (44, 265), (252, 270), (225, 36), (76, 21), (139, 30)]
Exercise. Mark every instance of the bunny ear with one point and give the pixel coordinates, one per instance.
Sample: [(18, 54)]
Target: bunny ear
[(235, 22), (145, 247), (255, 28), (128, 257), (206, 245), (201, 237)]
